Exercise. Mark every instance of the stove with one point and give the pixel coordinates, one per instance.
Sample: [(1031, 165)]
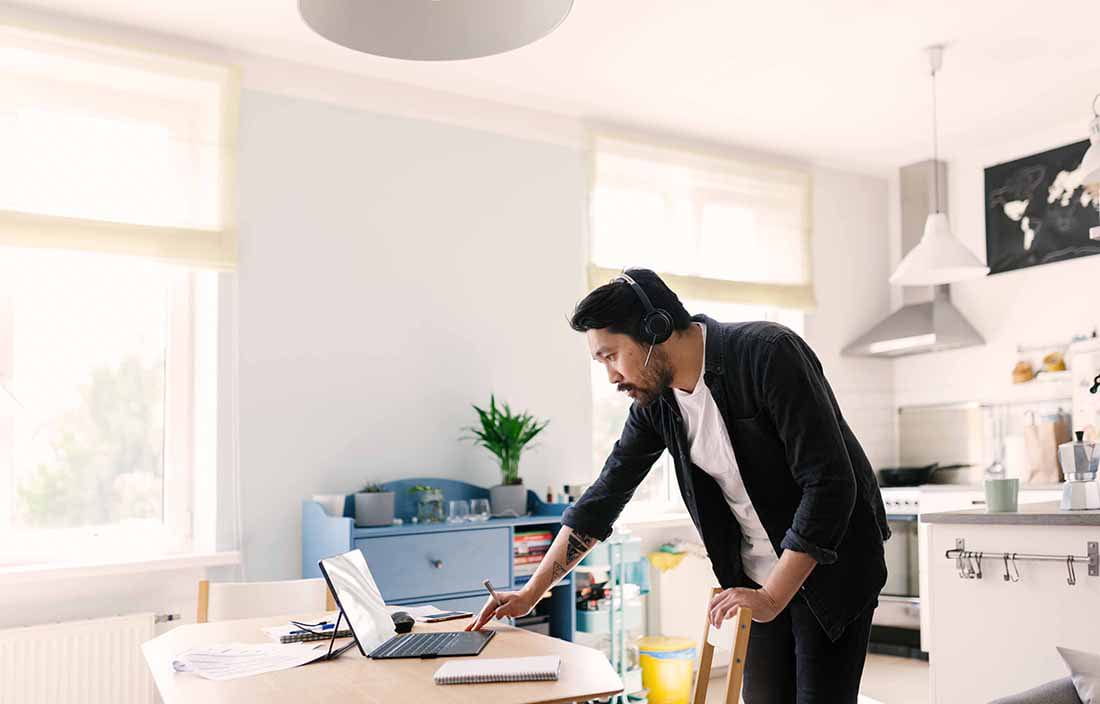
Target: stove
[(895, 627), (901, 500)]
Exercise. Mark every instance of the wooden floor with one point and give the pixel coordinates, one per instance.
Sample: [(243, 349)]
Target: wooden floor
[(886, 680)]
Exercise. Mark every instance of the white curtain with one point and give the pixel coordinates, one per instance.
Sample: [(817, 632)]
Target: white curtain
[(117, 150), (715, 228)]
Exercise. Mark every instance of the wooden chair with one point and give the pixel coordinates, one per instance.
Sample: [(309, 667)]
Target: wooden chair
[(221, 601), (742, 623)]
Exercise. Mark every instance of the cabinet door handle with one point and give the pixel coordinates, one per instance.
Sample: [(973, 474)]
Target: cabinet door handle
[(436, 563), (977, 502)]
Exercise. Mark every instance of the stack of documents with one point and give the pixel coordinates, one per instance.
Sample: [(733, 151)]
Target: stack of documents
[(294, 634), (232, 660)]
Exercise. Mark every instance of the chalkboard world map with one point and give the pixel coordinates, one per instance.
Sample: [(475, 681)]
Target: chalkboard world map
[(1037, 210)]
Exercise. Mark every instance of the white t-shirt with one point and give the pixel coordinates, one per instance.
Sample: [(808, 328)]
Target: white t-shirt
[(712, 452)]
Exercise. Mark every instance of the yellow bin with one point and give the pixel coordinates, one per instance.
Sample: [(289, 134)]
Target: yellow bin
[(667, 665)]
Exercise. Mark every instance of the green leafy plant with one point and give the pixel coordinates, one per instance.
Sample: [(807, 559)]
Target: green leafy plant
[(505, 434), (373, 488), (418, 488)]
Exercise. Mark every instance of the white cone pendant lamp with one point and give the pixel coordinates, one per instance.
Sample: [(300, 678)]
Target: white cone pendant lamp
[(939, 257)]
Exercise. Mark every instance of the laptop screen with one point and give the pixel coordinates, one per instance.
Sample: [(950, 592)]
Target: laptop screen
[(359, 597)]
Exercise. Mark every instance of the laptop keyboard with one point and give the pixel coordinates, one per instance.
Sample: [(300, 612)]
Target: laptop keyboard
[(415, 645)]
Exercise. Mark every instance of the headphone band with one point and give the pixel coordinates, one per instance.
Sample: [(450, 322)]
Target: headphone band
[(639, 291)]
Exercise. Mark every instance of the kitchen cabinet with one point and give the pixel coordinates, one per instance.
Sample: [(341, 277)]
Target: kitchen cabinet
[(992, 636), (940, 498)]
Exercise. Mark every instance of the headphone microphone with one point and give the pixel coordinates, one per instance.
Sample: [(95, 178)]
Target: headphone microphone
[(656, 323)]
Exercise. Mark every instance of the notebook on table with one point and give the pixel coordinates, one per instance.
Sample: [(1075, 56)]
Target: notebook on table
[(542, 667)]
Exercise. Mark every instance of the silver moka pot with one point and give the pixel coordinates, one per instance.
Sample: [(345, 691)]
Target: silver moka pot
[(1079, 460)]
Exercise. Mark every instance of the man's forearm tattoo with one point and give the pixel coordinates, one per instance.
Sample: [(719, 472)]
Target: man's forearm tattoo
[(578, 545), (575, 549)]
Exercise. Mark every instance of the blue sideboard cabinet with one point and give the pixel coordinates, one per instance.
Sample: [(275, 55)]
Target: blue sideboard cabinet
[(442, 564)]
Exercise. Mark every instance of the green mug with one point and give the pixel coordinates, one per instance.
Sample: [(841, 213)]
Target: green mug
[(1001, 495)]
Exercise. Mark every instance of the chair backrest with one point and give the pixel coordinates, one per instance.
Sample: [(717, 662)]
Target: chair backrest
[(742, 624), (221, 601)]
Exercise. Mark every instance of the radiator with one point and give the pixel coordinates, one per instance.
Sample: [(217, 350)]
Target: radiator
[(79, 662)]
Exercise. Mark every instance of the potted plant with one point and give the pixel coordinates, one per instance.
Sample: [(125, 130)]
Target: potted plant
[(429, 503), (374, 506), (506, 434)]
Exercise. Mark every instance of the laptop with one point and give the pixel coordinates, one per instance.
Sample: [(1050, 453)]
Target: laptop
[(358, 596)]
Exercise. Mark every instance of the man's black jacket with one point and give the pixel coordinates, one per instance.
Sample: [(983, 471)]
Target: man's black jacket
[(806, 474)]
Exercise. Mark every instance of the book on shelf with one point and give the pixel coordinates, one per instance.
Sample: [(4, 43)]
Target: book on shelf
[(524, 570), (533, 536), (527, 559)]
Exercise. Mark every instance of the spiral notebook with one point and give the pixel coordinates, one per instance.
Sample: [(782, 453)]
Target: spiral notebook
[(543, 667)]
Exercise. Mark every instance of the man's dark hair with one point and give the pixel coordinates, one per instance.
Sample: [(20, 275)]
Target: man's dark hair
[(616, 306)]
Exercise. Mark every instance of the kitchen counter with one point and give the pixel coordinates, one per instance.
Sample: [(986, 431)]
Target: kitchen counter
[(1039, 514), (992, 635), (980, 487)]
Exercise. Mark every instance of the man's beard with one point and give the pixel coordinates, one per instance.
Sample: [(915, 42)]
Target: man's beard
[(655, 379)]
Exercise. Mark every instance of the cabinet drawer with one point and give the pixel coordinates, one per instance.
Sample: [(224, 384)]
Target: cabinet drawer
[(426, 564)]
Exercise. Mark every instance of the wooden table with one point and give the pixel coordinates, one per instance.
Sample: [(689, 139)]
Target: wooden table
[(585, 673)]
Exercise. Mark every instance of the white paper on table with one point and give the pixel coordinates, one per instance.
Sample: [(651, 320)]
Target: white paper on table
[(232, 660)]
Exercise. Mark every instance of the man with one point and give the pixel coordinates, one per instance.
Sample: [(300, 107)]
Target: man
[(776, 483)]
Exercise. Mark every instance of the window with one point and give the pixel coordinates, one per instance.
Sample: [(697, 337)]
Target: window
[(731, 238), (715, 229), (100, 359), (116, 192)]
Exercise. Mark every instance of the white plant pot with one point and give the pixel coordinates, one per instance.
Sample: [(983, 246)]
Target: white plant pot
[(374, 509), (508, 500)]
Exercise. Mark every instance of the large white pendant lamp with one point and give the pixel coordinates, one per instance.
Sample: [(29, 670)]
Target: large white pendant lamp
[(434, 30), (939, 257), (1090, 164)]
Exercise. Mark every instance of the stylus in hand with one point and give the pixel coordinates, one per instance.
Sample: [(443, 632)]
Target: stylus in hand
[(493, 592), (498, 605)]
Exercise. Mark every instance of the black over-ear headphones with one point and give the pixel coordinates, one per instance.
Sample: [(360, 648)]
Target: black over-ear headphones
[(656, 323)]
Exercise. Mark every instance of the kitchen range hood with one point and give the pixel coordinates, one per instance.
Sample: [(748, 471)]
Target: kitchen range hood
[(920, 325)]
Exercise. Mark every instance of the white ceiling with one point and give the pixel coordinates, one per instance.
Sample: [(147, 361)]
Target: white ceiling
[(834, 81)]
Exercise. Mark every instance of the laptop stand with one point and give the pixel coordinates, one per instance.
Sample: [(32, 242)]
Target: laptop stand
[(333, 654)]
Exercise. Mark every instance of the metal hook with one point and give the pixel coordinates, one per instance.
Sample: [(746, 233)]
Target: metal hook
[(1015, 568), (1006, 566), (1072, 579), (979, 560), (970, 571)]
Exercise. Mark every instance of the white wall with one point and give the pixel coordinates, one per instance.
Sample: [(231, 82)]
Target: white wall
[(1034, 306), (392, 272), (850, 258)]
